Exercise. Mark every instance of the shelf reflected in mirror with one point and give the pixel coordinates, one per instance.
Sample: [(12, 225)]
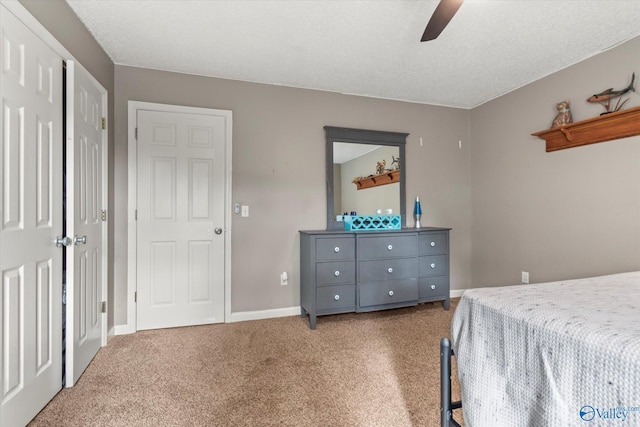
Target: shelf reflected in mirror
[(360, 184)]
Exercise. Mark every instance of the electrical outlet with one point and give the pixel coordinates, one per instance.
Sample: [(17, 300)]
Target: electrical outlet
[(284, 279), (525, 277)]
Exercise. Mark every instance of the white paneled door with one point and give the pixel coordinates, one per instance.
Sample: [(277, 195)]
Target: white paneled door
[(180, 218), (31, 219), (86, 144)]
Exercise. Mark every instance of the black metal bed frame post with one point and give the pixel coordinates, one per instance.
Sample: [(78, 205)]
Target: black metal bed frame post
[(446, 405)]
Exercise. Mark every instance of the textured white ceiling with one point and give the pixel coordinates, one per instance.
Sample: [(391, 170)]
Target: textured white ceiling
[(345, 151), (369, 48)]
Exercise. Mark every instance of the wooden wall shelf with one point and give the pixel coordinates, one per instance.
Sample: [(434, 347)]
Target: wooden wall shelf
[(607, 127), (376, 180)]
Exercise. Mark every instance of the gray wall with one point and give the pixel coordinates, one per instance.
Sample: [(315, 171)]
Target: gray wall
[(564, 214), (337, 189), (64, 25), (279, 171)]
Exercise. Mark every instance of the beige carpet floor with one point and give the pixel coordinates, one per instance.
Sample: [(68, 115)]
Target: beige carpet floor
[(368, 369)]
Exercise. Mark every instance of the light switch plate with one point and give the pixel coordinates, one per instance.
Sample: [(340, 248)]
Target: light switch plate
[(245, 211)]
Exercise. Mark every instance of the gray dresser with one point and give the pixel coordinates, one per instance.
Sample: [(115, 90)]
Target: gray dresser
[(342, 272)]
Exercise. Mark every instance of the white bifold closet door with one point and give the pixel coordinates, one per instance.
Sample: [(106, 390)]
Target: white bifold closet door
[(86, 140), (31, 220)]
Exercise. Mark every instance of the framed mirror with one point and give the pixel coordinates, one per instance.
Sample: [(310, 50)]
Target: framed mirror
[(383, 153)]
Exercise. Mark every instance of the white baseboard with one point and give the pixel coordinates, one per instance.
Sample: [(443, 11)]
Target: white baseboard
[(455, 293), (241, 316), (123, 329)]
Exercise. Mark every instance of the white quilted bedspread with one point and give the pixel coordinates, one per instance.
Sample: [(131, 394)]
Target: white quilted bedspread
[(552, 354)]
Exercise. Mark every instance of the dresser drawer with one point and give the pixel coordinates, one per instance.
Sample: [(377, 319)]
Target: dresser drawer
[(432, 243), (433, 265), (388, 292), (433, 288), (336, 297), (336, 248), (387, 246), (387, 269), (332, 273)]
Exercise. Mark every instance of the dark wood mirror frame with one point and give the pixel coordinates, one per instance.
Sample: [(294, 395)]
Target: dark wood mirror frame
[(362, 136)]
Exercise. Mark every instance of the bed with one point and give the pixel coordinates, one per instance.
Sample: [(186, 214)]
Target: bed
[(552, 354)]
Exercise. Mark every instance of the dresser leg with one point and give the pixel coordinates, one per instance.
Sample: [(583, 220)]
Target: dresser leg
[(446, 304), (312, 317)]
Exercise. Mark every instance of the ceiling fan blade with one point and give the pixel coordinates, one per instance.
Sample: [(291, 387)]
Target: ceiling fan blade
[(440, 18)]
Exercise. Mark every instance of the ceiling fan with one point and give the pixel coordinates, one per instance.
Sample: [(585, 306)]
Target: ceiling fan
[(440, 18)]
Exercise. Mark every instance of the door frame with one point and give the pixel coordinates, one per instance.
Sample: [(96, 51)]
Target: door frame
[(132, 244), (39, 30)]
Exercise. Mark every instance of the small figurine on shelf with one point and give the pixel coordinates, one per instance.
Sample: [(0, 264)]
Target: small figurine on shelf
[(380, 166), (604, 97), (564, 115), (417, 212), (395, 161)]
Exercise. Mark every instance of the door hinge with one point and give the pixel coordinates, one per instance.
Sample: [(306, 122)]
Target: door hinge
[(136, 215), (104, 307), (104, 123), (135, 296), (136, 133), (103, 215)]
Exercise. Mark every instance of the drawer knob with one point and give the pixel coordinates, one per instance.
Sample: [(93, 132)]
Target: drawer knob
[(337, 297), (390, 293), (433, 287), (336, 249), (390, 270), (337, 273), (433, 265), (390, 247), (433, 244)]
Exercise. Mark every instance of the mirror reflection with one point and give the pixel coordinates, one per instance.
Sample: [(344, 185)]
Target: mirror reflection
[(366, 142), (366, 178)]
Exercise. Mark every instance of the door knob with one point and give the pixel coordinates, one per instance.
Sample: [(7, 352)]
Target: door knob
[(62, 241), (82, 240), (218, 230)]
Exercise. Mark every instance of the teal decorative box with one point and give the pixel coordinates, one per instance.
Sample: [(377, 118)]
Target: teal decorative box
[(372, 222)]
